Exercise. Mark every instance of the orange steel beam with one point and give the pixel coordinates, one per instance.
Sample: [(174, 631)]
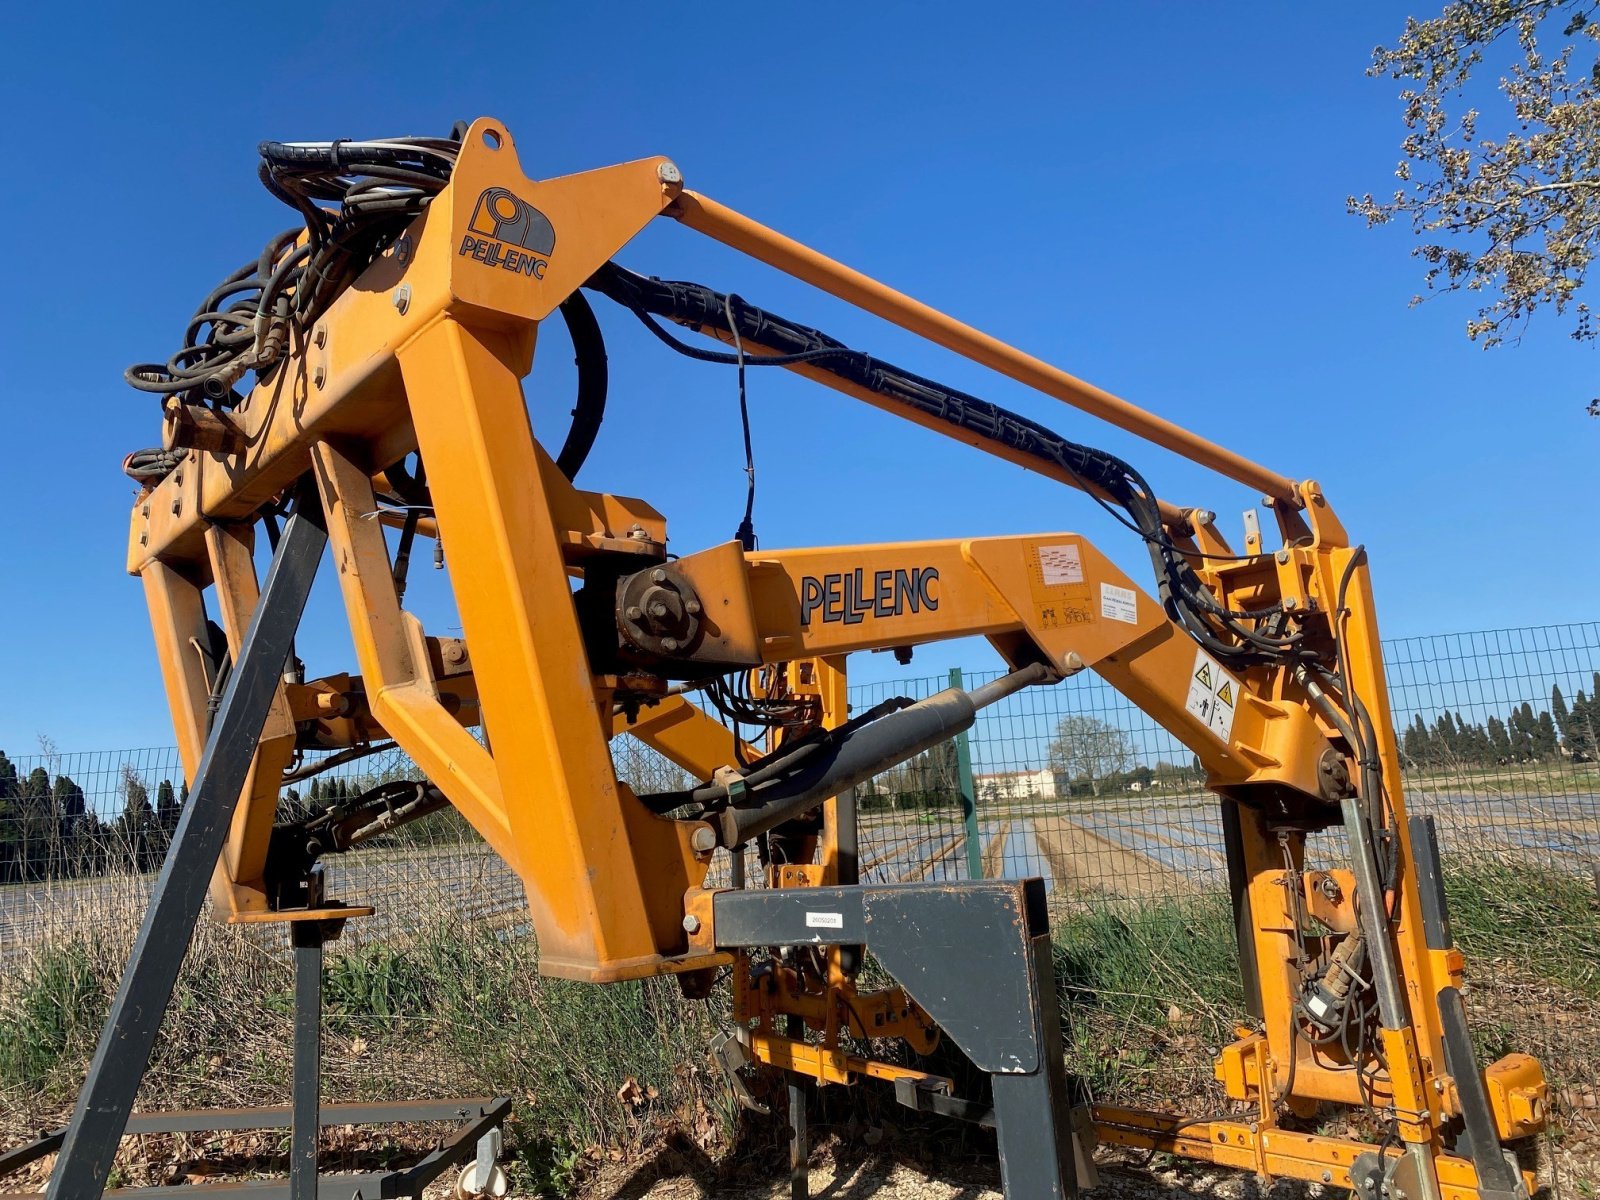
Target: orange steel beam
[(734, 229)]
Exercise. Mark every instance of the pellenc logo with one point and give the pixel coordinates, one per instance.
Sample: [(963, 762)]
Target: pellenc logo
[(508, 232), (850, 596)]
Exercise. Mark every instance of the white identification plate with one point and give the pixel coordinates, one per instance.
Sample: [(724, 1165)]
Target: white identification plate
[(1119, 603), (1060, 565), (820, 920), (1213, 695)]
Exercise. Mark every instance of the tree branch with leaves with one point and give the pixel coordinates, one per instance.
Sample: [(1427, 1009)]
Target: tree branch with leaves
[(1512, 218)]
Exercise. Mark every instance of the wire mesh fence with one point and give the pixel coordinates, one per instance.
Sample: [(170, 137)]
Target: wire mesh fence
[(1071, 783)]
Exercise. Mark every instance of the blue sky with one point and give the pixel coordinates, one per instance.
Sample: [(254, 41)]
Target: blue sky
[(1148, 194)]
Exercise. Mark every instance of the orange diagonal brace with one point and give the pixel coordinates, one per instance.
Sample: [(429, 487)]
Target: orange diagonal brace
[(773, 248)]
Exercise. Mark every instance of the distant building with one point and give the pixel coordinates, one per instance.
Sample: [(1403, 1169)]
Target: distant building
[(1016, 785)]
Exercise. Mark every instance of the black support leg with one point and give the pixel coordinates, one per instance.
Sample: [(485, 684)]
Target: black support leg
[(799, 1135), (306, 1118), (123, 1052), (1032, 1120)]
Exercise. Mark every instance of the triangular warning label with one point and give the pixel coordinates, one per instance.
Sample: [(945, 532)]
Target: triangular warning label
[(1204, 674), (1225, 693)]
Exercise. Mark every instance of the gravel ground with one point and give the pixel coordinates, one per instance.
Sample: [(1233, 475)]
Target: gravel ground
[(884, 1179)]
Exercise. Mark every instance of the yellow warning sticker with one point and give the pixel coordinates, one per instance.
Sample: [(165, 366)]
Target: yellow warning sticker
[(1213, 694)]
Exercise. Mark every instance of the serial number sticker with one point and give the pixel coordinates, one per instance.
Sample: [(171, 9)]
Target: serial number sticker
[(1060, 565), (1213, 695), (822, 920), (1119, 603)]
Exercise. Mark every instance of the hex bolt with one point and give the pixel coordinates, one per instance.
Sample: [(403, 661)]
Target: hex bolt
[(319, 375), (402, 298), (692, 607), (703, 839), (1073, 662), (691, 924), (658, 609), (638, 533), (658, 576), (1327, 1177), (669, 644), (1283, 556), (634, 612), (319, 335), (669, 174)]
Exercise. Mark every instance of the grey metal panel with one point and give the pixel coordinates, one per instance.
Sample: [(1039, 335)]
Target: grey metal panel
[(962, 951), (1430, 883), (123, 1052), (825, 916)]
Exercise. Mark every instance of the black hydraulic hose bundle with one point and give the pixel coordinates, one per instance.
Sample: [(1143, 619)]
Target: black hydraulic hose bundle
[(245, 323), (789, 343), (355, 199)]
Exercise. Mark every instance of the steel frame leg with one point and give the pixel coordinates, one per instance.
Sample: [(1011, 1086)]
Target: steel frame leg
[(123, 1053), (306, 1114), (799, 1135), (976, 956)]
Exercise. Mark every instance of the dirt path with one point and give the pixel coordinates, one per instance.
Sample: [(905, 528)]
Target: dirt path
[(994, 853), (1083, 862)]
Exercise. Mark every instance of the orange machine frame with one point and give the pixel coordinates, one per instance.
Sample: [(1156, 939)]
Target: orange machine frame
[(426, 352)]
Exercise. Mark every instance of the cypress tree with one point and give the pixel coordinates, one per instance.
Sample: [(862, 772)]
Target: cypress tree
[(1544, 737), (1499, 740)]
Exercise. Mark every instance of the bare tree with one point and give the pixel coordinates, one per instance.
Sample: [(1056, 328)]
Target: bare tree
[(1511, 217), (1087, 749)]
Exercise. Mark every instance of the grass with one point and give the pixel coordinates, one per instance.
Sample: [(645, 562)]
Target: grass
[(1150, 989), (1541, 924)]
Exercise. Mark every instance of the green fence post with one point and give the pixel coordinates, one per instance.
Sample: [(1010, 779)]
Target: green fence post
[(969, 794)]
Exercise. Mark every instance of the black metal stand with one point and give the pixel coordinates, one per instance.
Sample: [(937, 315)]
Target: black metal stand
[(308, 938), (799, 1137), (88, 1145), (476, 1120), (976, 957), (123, 1054)]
